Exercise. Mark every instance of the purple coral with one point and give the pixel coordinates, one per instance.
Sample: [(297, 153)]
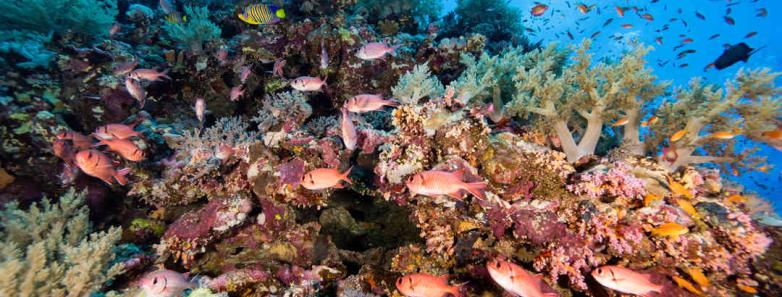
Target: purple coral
[(616, 181)]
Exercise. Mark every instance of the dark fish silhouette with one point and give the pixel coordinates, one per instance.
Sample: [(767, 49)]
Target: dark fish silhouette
[(734, 54)]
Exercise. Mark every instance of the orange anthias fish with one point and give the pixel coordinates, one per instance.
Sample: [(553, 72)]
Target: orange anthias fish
[(736, 198), (773, 134), (96, 164), (116, 131), (724, 135), (626, 280), (678, 188), (670, 229), (647, 16), (367, 102), (747, 289), (620, 122), (650, 121), (164, 283), (627, 26), (583, 8), (688, 208), (678, 135), (620, 11), (425, 285), (539, 10), (123, 147), (517, 280), (324, 178), (697, 275), (80, 142), (651, 197), (687, 285), (433, 182)]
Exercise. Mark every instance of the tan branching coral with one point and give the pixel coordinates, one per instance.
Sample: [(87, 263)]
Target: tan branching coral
[(748, 104), (48, 250), (575, 101)]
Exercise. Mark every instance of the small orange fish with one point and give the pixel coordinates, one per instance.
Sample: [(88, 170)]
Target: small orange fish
[(621, 122), (650, 197), (670, 229), (679, 189), (627, 26), (116, 131), (723, 135), (123, 147), (620, 11), (687, 40), (659, 40), (539, 10), (697, 275), (773, 134), (678, 135), (653, 119), (647, 16), (324, 178), (688, 208), (425, 285), (626, 280), (583, 8), (97, 164), (736, 198), (708, 66), (516, 280), (687, 285), (434, 182), (747, 289), (750, 34)]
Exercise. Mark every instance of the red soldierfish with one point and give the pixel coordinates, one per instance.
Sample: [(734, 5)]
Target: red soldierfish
[(116, 131), (375, 50), (80, 142), (277, 69), (349, 135), (149, 74), (367, 102), (123, 147), (308, 83), (63, 150), (435, 182), (136, 91), (517, 280), (164, 283), (96, 164), (324, 178), (236, 92), (426, 285), (200, 108), (125, 68), (245, 73), (625, 280)]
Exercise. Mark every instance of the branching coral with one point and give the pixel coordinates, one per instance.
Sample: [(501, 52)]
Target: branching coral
[(416, 85), (488, 76), (195, 31), (92, 18), (48, 250), (575, 101), (748, 104)]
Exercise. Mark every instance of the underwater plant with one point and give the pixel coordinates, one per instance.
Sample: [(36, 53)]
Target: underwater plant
[(48, 250), (195, 31)]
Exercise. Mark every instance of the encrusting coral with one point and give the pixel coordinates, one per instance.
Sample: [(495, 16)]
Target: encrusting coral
[(48, 250)]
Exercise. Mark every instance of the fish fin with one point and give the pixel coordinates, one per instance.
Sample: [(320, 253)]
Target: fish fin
[(477, 189), (164, 74), (392, 103), (120, 175), (443, 278), (345, 176), (393, 49)]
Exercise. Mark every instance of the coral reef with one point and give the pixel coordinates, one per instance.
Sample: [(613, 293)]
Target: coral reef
[(250, 183), (91, 18)]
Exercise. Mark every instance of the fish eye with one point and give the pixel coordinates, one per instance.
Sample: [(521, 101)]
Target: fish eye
[(154, 281), (399, 281), (600, 270), (499, 265)]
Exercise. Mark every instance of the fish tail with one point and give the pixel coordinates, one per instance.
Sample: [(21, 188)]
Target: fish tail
[(392, 103), (164, 74), (345, 176), (120, 175), (394, 48), (477, 189)]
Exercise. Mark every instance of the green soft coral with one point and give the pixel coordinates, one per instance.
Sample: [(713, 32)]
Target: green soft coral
[(416, 85), (194, 32)]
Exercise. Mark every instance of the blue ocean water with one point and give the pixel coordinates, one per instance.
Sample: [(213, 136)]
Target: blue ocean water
[(562, 17)]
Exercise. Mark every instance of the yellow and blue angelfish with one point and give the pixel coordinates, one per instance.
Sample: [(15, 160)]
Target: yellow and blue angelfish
[(262, 14)]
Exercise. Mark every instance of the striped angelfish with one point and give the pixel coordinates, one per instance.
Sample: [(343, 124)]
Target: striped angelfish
[(262, 14)]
